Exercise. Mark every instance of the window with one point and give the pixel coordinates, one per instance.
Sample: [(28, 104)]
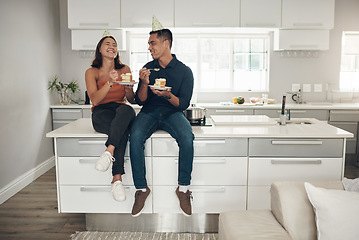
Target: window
[(349, 69), (220, 62)]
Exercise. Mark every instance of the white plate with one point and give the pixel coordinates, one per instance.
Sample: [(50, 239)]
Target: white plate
[(126, 83), (158, 88)]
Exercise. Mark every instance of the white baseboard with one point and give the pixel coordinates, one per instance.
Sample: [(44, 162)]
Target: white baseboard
[(19, 183)]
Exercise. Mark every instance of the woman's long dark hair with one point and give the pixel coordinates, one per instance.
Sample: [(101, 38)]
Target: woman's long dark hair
[(97, 62)]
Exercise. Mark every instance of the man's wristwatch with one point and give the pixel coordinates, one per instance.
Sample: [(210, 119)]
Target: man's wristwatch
[(168, 97)]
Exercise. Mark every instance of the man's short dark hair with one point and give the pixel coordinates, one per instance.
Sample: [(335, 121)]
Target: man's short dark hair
[(164, 34)]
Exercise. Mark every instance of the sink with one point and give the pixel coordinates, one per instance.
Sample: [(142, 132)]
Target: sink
[(297, 121)]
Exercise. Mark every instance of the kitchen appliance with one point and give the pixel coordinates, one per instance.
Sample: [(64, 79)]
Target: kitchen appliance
[(195, 114)]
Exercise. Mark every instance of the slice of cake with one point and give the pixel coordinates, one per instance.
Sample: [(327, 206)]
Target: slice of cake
[(160, 82), (127, 77)]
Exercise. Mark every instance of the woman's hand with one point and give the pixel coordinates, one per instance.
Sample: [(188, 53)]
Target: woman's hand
[(113, 76)]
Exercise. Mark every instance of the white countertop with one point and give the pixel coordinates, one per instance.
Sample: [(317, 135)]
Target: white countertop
[(314, 105), (83, 128)]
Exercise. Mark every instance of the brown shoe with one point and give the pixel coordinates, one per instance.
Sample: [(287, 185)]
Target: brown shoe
[(185, 201), (139, 204)]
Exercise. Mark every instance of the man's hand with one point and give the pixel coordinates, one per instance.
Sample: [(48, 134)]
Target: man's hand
[(144, 75), (166, 93)]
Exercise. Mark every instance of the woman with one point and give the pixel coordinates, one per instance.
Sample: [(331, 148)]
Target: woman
[(110, 113)]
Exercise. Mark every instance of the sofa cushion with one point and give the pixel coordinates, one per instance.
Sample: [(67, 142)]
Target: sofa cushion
[(291, 207), (336, 212), (251, 224)]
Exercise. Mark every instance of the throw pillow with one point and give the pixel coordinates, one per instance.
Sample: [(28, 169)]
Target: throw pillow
[(336, 211)]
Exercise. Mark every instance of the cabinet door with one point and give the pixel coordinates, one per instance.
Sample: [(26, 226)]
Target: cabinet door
[(268, 112), (310, 113), (301, 39), (226, 111), (204, 13), (96, 199), (228, 171), (138, 13), (261, 13), (88, 39), (308, 14), (206, 199), (265, 171), (94, 14)]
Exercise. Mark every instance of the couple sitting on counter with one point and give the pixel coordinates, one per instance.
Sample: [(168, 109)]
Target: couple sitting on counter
[(161, 110)]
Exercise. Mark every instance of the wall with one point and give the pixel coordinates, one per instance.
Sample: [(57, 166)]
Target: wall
[(30, 56), (323, 69)]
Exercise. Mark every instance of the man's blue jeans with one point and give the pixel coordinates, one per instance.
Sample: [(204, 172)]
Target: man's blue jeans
[(177, 126)]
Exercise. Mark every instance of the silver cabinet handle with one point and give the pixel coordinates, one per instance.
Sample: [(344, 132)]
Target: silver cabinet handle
[(87, 161), (99, 189), (209, 141), (308, 24), (303, 45), (345, 112), (297, 142), (229, 111), (217, 161), (67, 110), (89, 142), (210, 190), (296, 162), (94, 24)]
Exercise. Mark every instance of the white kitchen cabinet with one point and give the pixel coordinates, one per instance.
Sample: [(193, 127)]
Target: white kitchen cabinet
[(261, 13), (228, 111), (81, 188), (63, 116), (204, 13), (88, 39), (206, 199), (308, 14), (219, 174), (272, 113), (347, 120), (290, 160), (138, 13), (285, 39), (94, 14), (322, 115)]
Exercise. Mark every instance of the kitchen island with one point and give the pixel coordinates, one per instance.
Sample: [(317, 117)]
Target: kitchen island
[(234, 166)]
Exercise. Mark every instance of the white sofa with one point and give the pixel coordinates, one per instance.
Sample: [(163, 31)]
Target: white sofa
[(291, 216)]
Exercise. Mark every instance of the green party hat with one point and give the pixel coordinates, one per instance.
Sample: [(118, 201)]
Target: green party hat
[(156, 25), (106, 33)]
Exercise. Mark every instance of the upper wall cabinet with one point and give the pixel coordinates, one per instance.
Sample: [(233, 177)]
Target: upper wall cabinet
[(308, 14), (292, 39), (261, 13), (138, 13), (207, 13), (87, 39), (94, 14)]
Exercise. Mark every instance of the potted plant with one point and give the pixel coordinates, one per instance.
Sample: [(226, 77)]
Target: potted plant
[(63, 89)]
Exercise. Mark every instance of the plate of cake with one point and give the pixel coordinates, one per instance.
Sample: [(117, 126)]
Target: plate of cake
[(126, 79), (160, 84)]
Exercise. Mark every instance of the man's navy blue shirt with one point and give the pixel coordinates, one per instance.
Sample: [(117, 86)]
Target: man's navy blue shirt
[(178, 76)]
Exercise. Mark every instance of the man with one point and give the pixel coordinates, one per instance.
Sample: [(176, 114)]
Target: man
[(163, 110)]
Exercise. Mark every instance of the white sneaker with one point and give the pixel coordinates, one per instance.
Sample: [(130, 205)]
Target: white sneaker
[(118, 192), (104, 162)]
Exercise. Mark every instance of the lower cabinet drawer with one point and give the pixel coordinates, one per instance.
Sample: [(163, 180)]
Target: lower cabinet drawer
[(206, 171), (203, 147), (89, 147), (81, 170), (68, 113), (293, 169), (258, 197), (206, 199), (271, 147), (97, 199)]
